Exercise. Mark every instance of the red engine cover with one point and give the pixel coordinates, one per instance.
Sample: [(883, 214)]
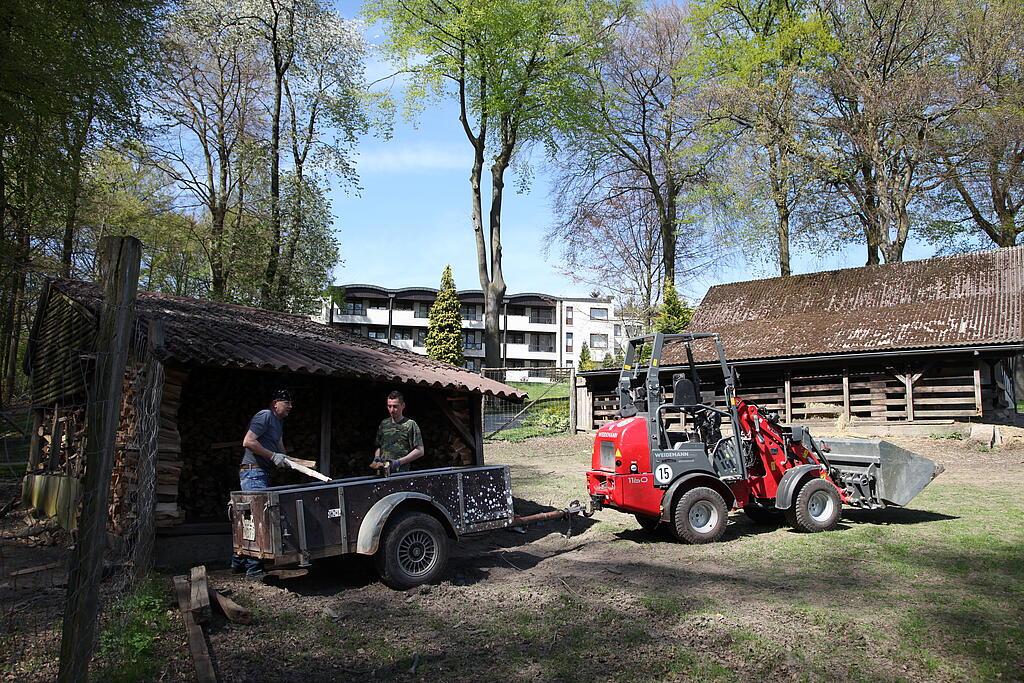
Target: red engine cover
[(620, 471)]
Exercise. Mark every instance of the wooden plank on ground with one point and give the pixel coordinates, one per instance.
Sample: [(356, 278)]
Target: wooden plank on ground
[(33, 570), (196, 640), (229, 608), (200, 601)]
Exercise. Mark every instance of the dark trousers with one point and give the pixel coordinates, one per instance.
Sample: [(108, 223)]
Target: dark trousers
[(251, 480)]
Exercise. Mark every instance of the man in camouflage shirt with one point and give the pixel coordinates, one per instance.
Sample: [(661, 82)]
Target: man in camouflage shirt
[(399, 441)]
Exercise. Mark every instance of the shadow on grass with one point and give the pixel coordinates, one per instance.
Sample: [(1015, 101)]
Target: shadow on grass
[(894, 515)]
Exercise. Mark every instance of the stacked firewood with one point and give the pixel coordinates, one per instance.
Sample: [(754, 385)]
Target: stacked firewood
[(124, 484), (168, 456)]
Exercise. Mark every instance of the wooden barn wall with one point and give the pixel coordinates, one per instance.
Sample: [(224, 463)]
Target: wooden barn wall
[(941, 388), (217, 404)]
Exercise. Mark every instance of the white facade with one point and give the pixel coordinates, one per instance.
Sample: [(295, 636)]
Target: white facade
[(538, 330)]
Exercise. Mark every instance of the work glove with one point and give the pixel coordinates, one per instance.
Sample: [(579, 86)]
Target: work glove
[(280, 460), (393, 465)]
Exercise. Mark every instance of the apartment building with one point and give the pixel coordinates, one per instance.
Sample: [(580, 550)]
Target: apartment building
[(537, 330)]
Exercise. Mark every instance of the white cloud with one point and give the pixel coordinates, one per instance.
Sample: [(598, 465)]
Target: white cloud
[(414, 158)]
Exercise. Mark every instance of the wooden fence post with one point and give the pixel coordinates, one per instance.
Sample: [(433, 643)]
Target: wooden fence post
[(572, 401), (119, 259), (325, 427)]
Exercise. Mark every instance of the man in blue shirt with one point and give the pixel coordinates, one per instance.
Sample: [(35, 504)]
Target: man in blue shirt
[(264, 449)]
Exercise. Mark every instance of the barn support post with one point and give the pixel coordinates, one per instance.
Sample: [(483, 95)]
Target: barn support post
[(788, 400), (325, 427), (908, 382), (977, 387), (572, 401), (149, 409), (119, 259), (476, 418), (846, 395)]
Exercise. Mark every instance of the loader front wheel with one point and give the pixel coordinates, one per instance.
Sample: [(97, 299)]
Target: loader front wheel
[(817, 507), (700, 516)]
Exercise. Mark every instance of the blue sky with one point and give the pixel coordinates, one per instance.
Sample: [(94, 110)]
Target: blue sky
[(413, 214)]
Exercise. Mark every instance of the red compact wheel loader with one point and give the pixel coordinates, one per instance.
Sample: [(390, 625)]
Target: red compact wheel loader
[(689, 480)]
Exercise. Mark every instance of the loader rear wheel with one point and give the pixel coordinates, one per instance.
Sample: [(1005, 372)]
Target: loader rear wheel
[(648, 523), (413, 551), (700, 516), (817, 507)]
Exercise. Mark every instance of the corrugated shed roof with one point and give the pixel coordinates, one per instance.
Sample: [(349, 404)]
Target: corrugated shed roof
[(210, 333), (965, 300)]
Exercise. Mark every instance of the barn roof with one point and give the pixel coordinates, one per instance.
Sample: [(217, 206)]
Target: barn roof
[(955, 301), (209, 333)]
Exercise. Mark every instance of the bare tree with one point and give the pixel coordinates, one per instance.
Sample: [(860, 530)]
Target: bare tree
[(881, 100), (639, 132)]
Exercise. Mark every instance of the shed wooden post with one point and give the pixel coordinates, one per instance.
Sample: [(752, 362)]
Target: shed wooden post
[(572, 401), (788, 399), (35, 447), (977, 387), (476, 418), (119, 259), (846, 394), (325, 428), (150, 400), (56, 439), (908, 382)]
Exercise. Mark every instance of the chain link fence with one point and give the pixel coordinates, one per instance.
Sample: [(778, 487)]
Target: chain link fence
[(543, 413)]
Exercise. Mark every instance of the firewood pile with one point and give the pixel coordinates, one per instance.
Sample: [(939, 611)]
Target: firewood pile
[(62, 439)]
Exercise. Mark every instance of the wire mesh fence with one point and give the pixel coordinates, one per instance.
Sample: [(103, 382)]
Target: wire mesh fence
[(544, 412)]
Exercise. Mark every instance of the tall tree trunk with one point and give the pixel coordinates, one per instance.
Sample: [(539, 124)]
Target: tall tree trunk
[(284, 279), (782, 232), (270, 275), (495, 290), (668, 228)]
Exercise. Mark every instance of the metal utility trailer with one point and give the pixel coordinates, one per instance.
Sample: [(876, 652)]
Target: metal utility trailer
[(404, 520)]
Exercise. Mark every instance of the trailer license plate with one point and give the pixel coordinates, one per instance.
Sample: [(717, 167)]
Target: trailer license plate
[(248, 529)]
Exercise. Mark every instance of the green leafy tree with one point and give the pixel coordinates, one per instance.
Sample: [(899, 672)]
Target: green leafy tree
[(586, 362), (674, 315), (510, 66), (444, 329)]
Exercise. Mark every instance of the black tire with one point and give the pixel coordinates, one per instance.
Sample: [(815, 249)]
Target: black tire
[(765, 516), (700, 516), (413, 551), (817, 507), (647, 523)]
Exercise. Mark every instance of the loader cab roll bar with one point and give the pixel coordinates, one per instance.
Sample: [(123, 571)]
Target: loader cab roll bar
[(649, 403)]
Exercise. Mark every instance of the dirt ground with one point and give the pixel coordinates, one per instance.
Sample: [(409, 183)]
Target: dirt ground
[(931, 592)]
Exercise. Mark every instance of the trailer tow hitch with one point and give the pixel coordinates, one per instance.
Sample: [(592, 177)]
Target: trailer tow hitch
[(574, 508)]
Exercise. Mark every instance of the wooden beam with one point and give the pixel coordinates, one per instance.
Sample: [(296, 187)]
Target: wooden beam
[(199, 603), (229, 608), (572, 400), (325, 428), (476, 418), (908, 383), (788, 399), (119, 259), (56, 436), (196, 639)]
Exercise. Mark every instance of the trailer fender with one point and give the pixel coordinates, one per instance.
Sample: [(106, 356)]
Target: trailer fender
[(688, 481), (790, 482), (373, 524)]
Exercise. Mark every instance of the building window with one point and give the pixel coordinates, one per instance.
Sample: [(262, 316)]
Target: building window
[(598, 313), (401, 333), (516, 310), (568, 315), (471, 342), (544, 316), (599, 341), (403, 305), (470, 312), (379, 335), (514, 363), (422, 310), (353, 308), (569, 363), (568, 342), (378, 304), (618, 330), (515, 338), (419, 338), (472, 364), (543, 343)]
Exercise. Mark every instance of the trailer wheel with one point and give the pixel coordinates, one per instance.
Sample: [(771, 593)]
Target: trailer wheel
[(648, 523), (414, 551), (700, 516), (817, 507)]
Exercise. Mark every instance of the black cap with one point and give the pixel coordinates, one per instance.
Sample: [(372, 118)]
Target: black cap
[(282, 395)]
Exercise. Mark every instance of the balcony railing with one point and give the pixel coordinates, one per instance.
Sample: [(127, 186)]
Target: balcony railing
[(542, 348), (473, 346), (542, 319)]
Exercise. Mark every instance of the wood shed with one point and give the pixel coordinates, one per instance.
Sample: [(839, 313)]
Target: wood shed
[(197, 373), (923, 342)]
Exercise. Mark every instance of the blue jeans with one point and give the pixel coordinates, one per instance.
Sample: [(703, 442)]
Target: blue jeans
[(251, 480)]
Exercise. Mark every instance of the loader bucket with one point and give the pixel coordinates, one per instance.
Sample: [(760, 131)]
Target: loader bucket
[(898, 473)]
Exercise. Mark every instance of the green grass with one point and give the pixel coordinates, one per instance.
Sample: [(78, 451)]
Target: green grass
[(127, 644), (547, 389)]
